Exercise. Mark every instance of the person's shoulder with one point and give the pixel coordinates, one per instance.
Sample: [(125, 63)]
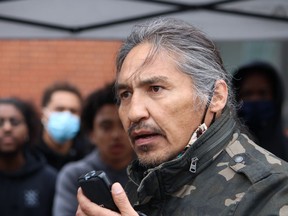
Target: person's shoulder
[(76, 168), (255, 162), (72, 168), (50, 170), (47, 175), (36, 163)]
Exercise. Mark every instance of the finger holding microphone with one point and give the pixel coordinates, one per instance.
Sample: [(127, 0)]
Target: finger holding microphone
[(97, 196)]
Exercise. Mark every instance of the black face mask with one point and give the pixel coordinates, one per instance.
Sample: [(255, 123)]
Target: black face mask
[(257, 113)]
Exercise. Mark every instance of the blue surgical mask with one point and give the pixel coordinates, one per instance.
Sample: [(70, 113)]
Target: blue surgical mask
[(62, 126), (257, 113)]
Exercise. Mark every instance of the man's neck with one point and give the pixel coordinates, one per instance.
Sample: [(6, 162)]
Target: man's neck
[(11, 163)]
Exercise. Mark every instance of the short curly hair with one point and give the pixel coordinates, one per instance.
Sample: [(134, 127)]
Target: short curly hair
[(59, 86), (94, 102)]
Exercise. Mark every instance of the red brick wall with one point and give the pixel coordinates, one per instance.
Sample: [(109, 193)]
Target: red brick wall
[(28, 66)]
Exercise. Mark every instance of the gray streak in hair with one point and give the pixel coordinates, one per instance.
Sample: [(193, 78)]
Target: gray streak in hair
[(193, 53)]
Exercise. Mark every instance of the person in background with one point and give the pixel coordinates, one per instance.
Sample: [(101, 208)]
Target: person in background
[(61, 140), (112, 154), (260, 93), (176, 104), (27, 182)]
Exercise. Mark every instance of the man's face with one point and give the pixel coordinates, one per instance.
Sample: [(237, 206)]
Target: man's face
[(13, 129), (109, 135), (60, 101), (157, 106), (256, 87)]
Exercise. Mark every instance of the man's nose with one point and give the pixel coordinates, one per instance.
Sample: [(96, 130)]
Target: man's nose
[(138, 108), (7, 126)]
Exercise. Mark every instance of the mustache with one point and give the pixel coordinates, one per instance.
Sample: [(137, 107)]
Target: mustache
[(143, 125)]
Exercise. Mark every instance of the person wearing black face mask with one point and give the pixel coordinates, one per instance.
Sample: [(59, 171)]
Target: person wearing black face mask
[(260, 94)]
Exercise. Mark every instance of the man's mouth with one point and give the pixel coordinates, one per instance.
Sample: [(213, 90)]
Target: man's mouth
[(141, 138), (117, 147), (145, 136), (7, 140)]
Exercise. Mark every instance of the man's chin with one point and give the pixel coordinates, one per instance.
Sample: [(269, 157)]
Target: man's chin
[(150, 160), (9, 154)]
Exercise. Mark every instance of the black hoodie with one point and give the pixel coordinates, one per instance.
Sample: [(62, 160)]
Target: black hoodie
[(28, 191), (271, 134)]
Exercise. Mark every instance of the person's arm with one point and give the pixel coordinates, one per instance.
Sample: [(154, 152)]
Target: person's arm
[(65, 199), (88, 208)]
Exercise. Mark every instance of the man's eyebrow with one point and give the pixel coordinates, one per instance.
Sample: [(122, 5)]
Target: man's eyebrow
[(106, 121), (120, 86), (153, 80), (148, 81)]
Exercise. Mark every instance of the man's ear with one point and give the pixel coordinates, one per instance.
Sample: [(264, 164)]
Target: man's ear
[(220, 96), (44, 115)]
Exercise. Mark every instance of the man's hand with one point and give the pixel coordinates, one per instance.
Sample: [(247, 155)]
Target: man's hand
[(88, 208)]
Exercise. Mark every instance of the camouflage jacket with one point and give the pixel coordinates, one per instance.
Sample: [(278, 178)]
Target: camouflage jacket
[(222, 173)]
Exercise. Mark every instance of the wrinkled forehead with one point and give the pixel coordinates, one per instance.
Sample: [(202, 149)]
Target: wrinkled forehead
[(144, 60)]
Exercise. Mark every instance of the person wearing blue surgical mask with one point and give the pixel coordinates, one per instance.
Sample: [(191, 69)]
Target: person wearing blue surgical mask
[(61, 140), (260, 94)]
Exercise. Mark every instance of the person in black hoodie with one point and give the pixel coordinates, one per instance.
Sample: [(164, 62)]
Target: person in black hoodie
[(27, 183), (260, 93)]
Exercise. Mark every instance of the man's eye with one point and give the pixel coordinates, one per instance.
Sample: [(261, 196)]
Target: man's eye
[(124, 95), (156, 88), (106, 127)]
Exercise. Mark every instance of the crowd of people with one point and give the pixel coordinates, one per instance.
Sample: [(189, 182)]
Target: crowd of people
[(175, 133), (42, 156)]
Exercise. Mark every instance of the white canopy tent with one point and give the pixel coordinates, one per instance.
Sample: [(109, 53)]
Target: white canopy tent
[(222, 20), (112, 19)]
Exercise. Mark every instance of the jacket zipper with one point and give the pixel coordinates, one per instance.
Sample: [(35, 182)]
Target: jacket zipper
[(194, 160), (193, 165)]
